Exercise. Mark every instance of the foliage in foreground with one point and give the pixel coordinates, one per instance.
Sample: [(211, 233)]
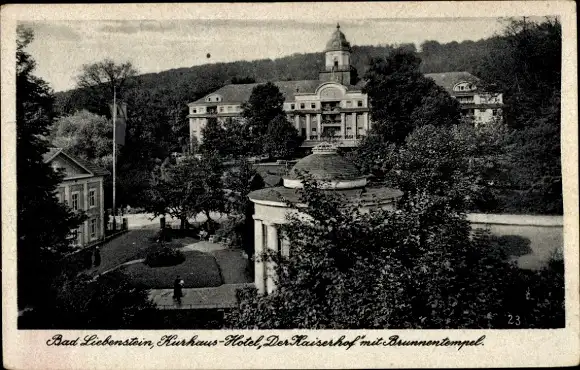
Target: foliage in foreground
[(110, 301), (417, 267), (44, 224)]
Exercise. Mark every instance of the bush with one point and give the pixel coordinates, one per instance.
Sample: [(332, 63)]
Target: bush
[(164, 256), (232, 228)]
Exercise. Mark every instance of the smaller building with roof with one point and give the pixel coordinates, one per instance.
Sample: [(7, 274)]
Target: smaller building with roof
[(477, 103), (335, 174), (82, 190)]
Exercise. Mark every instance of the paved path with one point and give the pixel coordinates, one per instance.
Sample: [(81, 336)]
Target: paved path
[(515, 220), (223, 296), (145, 220)]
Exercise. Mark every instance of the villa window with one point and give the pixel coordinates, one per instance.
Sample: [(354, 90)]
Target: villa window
[(221, 109), (313, 129), (313, 105), (193, 110), (359, 103), (78, 236), (93, 228), (292, 106), (92, 198), (75, 201), (301, 105)]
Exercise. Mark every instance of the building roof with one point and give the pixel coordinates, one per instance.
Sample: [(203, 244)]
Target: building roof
[(337, 41), (448, 80), (88, 166), (238, 93), (325, 166), (367, 195)]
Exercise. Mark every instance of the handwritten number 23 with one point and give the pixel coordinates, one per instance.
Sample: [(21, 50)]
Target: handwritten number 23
[(514, 320)]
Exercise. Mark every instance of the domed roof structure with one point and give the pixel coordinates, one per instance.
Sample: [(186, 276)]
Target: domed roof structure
[(325, 164), (334, 173), (337, 41)]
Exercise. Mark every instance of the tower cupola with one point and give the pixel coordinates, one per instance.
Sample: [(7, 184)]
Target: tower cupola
[(337, 59), (338, 41)]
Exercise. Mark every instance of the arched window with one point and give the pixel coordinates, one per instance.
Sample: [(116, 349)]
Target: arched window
[(335, 62)]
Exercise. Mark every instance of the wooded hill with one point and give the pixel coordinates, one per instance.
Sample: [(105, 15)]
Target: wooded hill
[(184, 85)]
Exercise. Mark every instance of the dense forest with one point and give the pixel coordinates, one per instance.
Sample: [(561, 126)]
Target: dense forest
[(188, 84)]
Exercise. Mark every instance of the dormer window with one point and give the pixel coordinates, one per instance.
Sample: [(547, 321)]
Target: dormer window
[(464, 86)]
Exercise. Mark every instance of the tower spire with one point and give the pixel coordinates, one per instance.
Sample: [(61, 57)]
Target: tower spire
[(337, 26)]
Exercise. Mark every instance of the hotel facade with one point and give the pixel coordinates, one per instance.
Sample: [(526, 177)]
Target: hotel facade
[(333, 108)]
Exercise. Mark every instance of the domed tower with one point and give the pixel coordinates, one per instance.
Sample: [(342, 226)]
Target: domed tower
[(337, 60)]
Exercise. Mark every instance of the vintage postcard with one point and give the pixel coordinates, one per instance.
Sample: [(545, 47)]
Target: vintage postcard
[(290, 185)]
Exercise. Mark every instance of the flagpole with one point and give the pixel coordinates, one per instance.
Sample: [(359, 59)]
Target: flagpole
[(114, 157)]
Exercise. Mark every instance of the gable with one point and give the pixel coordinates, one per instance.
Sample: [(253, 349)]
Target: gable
[(70, 168)]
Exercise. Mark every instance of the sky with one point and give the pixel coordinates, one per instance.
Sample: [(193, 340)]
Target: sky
[(60, 48)]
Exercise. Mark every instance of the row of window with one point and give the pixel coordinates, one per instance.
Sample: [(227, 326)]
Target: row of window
[(494, 112), (213, 98), (347, 129), (75, 199), (359, 103), (222, 109)]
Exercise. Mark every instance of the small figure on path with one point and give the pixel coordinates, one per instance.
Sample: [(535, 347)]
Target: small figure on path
[(203, 234), (178, 289), (97, 257)]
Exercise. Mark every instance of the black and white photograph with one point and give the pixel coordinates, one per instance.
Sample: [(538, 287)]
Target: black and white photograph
[(327, 172)]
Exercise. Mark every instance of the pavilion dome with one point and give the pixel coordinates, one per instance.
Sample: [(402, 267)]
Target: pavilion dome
[(328, 167), (337, 41)]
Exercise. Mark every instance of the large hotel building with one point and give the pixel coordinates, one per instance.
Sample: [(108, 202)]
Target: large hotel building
[(334, 106)]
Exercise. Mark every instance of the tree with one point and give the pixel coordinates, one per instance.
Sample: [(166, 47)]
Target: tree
[(417, 267), (85, 135), (106, 73), (214, 138), (110, 301), (186, 188), (263, 106), (41, 240), (243, 80), (240, 181), (435, 161), (402, 98), (239, 141), (525, 64), (281, 139)]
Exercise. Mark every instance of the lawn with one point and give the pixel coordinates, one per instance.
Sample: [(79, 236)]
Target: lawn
[(197, 271)]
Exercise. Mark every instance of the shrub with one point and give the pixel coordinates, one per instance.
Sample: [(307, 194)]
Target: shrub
[(164, 256), (232, 228)]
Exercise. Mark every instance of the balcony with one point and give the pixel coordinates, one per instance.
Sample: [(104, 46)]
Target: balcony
[(345, 143)]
